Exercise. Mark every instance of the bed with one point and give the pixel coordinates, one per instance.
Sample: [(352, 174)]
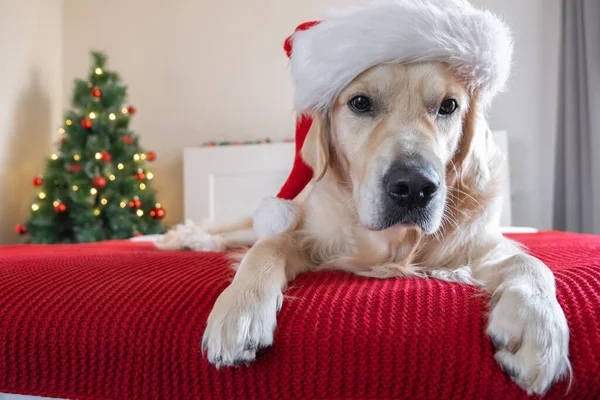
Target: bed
[(123, 320)]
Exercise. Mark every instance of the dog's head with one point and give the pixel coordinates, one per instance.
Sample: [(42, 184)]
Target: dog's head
[(390, 137)]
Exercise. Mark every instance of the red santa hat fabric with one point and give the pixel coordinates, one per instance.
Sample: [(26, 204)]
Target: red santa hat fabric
[(301, 173)]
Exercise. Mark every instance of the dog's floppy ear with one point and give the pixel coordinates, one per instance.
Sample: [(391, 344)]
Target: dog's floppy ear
[(468, 132), (315, 151), (471, 159)]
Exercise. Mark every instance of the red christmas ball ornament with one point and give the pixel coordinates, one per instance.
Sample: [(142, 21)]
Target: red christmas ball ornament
[(63, 139), (86, 123), (73, 168), (37, 181), (135, 203), (127, 139), (20, 229), (151, 156), (131, 110), (99, 182), (96, 92), (139, 175), (157, 213), (106, 157), (60, 208)]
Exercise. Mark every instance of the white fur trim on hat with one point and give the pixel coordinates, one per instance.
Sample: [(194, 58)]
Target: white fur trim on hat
[(328, 56), (274, 216)]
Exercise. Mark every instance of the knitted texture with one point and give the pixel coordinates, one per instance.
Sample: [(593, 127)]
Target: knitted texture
[(121, 320)]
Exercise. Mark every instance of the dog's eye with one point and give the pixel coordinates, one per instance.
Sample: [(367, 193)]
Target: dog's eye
[(361, 104), (447, 107)]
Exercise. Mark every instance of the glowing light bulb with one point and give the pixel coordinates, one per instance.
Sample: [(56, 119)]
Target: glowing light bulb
[(139, 213), (42, 195), (123, 204), (56, 203), (120, 166), (157, 205), (93, 191), (68, 122), (61, 130), (142, 186), (54, 156), (75, 188), (98, 156), (98, 71), (149, 175), (103, 201), (143, 156), (124, 110), (35, 207), (136, 157), (96, 212), (92, 115), (112, 116), (112, 177), (76, 157)]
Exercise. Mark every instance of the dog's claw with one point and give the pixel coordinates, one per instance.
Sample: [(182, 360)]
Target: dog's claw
[(498, 342), (251, 346), (509, 370)]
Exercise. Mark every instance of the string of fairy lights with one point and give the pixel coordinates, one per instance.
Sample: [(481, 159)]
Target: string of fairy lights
[(100, 182)]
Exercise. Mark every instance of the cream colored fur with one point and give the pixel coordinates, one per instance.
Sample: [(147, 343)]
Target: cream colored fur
[(348, 153)]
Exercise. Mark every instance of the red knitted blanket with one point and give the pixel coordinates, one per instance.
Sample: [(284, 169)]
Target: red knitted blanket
[(121, 320)]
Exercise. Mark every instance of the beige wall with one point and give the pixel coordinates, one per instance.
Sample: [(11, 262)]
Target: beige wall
[(201, 70), (30, 101)]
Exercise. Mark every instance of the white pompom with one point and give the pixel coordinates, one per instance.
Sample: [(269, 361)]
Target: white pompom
[(275, 216)]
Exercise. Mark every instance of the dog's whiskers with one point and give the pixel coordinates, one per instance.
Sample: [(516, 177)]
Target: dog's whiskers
[(468, 195)]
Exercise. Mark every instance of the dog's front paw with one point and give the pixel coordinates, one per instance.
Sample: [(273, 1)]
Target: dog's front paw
[(242, 321), (532, 337)]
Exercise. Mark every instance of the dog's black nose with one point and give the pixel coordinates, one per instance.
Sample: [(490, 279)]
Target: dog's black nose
[(412, 186)]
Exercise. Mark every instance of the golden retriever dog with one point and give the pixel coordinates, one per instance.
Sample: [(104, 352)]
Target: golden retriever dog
[(406, 184)]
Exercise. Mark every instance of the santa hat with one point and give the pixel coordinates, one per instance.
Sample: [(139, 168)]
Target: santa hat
[(327, 55)]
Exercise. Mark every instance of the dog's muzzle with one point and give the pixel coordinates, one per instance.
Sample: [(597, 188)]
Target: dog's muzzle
[(412, 195)]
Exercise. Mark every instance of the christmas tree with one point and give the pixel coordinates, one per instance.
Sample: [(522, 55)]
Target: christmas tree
[(96, 186)]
